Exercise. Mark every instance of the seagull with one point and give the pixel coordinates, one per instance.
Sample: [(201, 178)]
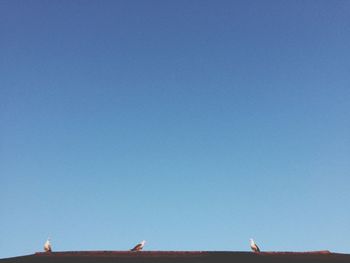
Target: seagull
[(254, 246), (47, 246), (139, 246)]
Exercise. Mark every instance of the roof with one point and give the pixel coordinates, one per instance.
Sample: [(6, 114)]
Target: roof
[(179, 257)]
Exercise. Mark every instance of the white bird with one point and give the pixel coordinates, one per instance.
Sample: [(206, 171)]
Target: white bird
[(139, 246), (254, 246), (47, 246)]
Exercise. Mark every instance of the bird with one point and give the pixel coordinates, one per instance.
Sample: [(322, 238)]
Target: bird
[(254, 246), (47, 246), (139, 246)]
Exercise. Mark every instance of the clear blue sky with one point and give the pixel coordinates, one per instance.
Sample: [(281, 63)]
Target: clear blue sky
[(194, 125)]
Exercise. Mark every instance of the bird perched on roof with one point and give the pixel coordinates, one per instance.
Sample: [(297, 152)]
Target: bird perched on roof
[(47, 246), (254, 246), (139, 246)]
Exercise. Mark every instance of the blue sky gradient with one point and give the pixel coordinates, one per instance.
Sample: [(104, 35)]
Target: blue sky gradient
[(194, 125)]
